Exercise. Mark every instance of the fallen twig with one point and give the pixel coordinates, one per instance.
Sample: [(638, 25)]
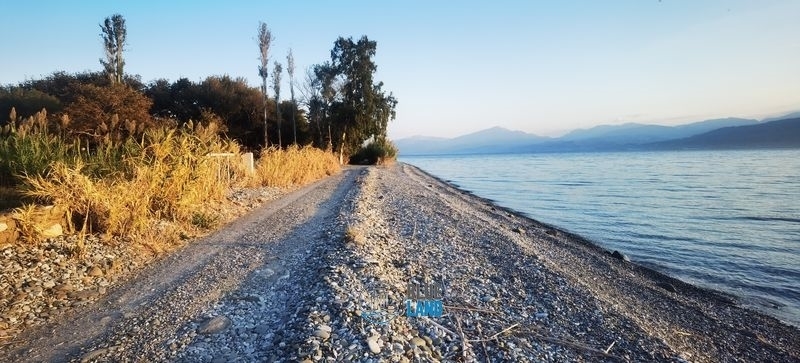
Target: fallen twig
[(567, 343), (496, 335), (485, 353), (469, 309), (610, 346), (441, 327), (463, 339)]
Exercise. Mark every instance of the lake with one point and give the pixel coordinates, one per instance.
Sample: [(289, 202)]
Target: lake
[(726, 220)]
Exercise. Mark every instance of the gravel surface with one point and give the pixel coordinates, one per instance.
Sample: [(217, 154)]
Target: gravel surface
[(323, 273)]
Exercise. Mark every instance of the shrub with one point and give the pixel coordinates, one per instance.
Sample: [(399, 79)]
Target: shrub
[(169, 177), (379, 151), (117, 110)]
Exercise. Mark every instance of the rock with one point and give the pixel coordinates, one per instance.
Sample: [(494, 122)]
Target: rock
[(322, 334), (374, 347), (54, 230), (95, 272), (519, 230), (88, 357), (667, 286), (418, 342), (36, 291), (84, 294), (214, 325), (620, 256), (63, 287)]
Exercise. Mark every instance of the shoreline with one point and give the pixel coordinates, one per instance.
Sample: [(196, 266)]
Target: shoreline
[(759, 281), (722, 307), (656, 274), (293, 279)]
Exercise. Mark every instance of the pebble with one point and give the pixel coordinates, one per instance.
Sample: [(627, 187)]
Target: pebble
[(620, 256), (322, 334), (95, 272), (214, 325), (374, 347)]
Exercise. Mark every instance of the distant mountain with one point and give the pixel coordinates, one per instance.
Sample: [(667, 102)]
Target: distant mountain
[(632, 133), (630, 136), (784, 117), (493, 140), (772, 134)]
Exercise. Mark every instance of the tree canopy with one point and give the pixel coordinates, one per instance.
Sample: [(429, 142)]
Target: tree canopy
[(114, 34), (341, 105), (346, 98)]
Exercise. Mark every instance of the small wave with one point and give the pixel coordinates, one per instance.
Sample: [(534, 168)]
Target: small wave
[(769, 219), (660, 237)]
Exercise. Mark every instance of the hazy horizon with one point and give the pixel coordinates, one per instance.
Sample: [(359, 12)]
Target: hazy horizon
[(565, 132), (541, 67)]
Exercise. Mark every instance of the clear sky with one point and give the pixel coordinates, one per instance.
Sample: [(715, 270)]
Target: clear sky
[(456, 67)]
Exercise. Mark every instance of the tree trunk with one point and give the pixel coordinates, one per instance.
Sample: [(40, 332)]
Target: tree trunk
[(278, 112), (266, 98), (341, 149), (294, 123)]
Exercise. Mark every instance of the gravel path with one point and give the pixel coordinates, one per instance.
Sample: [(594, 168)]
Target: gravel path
[(323, 274)]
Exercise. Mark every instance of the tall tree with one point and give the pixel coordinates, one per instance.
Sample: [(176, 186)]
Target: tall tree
[(363, 109), (290, 71), (311, 97), (114, 34), (276, 86), (264, 42)]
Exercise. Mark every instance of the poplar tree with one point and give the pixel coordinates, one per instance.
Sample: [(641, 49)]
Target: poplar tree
[(114, 34), (264, 42), (290, 71), (276, 86)]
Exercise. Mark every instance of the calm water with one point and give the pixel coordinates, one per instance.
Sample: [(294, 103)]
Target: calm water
[(728, 220)]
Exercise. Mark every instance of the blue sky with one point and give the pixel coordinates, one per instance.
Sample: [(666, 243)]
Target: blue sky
[(544, 67)]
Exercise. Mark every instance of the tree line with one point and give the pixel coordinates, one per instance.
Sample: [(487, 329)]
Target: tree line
[(340, 106)]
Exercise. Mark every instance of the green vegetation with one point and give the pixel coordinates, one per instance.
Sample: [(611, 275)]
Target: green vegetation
[(380, 151), (119, 154), (345, 101), (155, 161)]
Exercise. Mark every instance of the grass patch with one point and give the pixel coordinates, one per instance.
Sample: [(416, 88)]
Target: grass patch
[(128, 187), (294, 166), (355, 236)]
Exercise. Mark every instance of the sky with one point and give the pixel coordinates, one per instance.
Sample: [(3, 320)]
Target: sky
[(544, 67)]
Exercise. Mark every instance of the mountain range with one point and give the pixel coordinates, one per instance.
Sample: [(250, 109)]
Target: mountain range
[(726, 133)]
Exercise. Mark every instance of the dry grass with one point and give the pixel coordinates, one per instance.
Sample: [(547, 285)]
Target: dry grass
[(175, 176), (171, 177), (355, 236), (294, 166)]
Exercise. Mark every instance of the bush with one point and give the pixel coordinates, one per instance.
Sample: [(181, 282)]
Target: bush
[(380, 151), (28, 149), (118, 111)]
